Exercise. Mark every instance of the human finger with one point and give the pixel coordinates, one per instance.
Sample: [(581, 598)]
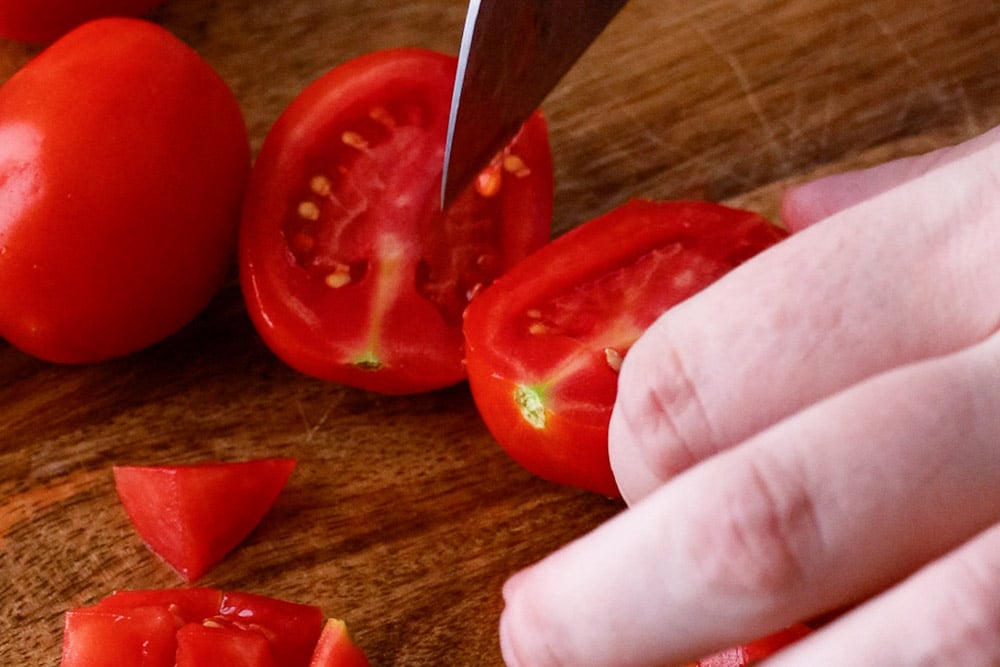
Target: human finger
[(947, 615), (807, 204), (908, 275), (824, 509)]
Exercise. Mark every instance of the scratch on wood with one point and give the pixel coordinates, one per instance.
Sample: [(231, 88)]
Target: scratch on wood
[(24, 506), (749, 94)]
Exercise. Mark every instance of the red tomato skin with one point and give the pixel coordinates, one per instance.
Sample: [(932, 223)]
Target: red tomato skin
[(42, 21), (123, 161), (192, 516), (334, 333), (505, 351), (336, 648), (137, 637)]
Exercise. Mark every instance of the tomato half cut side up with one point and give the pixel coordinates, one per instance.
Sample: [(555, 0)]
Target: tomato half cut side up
[(350, 270), (545, 342)]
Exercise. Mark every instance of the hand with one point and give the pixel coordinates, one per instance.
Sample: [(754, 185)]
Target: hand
[(817, 431)]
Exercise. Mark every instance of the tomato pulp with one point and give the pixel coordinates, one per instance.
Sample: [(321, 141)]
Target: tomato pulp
[(545, 341), (350, 270)]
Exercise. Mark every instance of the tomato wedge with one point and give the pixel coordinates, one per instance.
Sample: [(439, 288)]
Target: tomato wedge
[(143, 636), (192, 516), (350, 270), (201, 645), (545, 341), (335, 648)]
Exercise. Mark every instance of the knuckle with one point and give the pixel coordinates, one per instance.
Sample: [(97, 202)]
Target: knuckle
[(662, 408), (752, 540)]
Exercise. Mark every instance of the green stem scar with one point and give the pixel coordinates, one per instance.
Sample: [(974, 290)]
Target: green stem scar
[(529, 402)]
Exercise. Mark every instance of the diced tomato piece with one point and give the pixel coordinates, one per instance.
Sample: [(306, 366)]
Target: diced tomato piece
[(336, 648), (188, 605), (293, 629), (136, 637), (200, 645), (192, 516)]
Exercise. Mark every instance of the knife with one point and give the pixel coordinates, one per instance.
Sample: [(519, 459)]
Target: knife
[(513, 53)]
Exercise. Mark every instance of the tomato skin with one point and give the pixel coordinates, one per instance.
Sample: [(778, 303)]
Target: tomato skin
[(193, 515), (123, 160), (543, 340), (346, 187), (41, 21)]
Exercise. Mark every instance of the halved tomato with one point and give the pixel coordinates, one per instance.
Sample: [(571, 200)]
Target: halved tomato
[(350, 269), (544, 343)]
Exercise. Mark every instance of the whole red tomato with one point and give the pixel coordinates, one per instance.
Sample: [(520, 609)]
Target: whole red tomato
[(545, 341), (44, 20), (350, 269), (123, 160)]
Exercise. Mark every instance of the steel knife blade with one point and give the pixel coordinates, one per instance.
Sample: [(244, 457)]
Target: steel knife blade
[(512, 54)]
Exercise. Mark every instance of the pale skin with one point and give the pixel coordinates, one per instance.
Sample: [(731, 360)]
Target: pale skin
[(817, 431)]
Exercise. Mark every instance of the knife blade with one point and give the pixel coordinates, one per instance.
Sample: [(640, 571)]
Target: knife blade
[(513, 53)]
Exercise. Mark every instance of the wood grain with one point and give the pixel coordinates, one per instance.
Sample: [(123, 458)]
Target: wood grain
[(403, 515)]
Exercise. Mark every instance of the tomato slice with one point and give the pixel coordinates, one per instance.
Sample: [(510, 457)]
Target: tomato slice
[(192, 516), (201, 645), (545, 341), (350, 270), (136, 637), (335, 648)]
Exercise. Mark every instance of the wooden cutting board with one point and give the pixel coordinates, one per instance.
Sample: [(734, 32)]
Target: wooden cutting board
[(403, 516)]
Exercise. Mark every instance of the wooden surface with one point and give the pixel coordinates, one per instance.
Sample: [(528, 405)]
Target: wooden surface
[(403, 516)]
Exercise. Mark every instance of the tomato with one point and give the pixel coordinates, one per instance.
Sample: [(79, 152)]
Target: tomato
[(188, 605), (292, 628), (755, 651), (123, 161), (196, 627), (44, 20), (336, 648), (350, 270), (210, 646), (545, 341), (118, 638), (192, 516)]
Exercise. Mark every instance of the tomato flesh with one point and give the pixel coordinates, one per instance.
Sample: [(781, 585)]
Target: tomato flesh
[(545, 341), (350, 270), (755, 651), (195, 627), (335, 648), (192, 516)]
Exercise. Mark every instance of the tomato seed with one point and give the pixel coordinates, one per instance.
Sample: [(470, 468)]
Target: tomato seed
[(488, 181), (339, 277), (513, 164), (321, 185), (383, 117), (308, 210), (614, 358), (354, 140)]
